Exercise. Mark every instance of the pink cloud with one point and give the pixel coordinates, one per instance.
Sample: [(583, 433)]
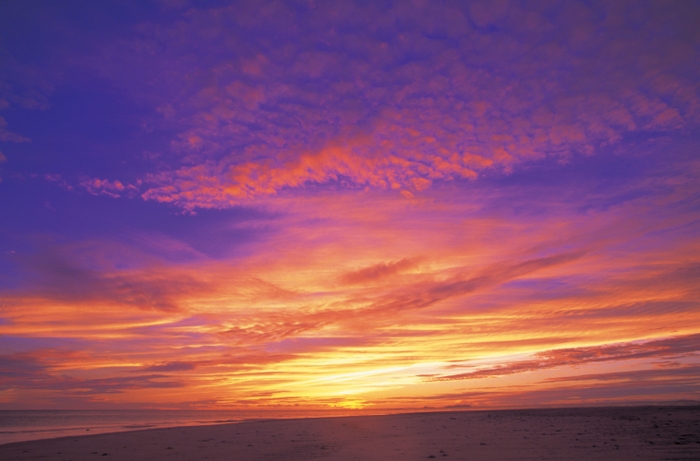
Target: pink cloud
[(656, 349), (379, 271), (114, 188), (404, 97), (381, 264)]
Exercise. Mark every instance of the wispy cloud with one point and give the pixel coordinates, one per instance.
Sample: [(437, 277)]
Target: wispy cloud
[(409, 300), (378, 271), (384, 204), (114, 188), (659, 349)]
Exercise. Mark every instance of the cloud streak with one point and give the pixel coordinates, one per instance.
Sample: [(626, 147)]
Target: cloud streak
[(350, 205), (659, 349), (495, 299)]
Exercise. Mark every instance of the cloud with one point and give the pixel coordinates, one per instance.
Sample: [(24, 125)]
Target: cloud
[(425, 95), (646, 386), (269, 99), (170, 366), (60, 277), (38, 370), (427, 294), (20, 368), (658, 349), (378, 271), (117, 385), (338, 296), (680, 375), (22, 86), (114, 188), (296, 345), (58, 180)]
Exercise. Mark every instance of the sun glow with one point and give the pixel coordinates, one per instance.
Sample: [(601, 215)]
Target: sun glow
[(385, 206)]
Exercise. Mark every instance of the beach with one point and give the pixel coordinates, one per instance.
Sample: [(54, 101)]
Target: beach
[(619, 433)]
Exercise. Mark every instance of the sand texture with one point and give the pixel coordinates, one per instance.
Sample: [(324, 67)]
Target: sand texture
[(642, 433)]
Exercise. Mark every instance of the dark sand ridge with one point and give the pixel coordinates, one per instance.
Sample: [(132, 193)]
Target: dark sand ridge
[(618, 433)]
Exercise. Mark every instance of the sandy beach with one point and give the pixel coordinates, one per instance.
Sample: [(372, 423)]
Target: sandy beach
[(647, 433)]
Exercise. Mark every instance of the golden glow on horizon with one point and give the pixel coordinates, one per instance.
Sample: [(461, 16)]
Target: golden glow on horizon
[(384, 331), (255, 206)]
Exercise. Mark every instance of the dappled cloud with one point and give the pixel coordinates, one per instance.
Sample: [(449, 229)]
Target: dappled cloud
[(352, 206), (398, 96)]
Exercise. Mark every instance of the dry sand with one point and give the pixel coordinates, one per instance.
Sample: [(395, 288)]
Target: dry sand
[(640, 433)]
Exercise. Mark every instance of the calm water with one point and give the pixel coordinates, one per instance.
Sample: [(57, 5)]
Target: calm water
[(20, 425)]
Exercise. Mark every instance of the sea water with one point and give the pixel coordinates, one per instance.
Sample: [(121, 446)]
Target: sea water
[(22, 425)]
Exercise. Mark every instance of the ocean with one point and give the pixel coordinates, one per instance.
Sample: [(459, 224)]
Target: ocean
[(21, 425)]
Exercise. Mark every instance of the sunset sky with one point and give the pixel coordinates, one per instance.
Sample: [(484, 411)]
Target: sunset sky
[(348, 206)]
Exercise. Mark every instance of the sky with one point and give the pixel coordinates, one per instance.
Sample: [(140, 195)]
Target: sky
[(340, 206)]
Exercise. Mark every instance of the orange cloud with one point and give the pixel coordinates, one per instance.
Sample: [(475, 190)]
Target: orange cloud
[(438, 206), (415, 107), (114, 189), (657, 349), (343, 304), (378, 271)]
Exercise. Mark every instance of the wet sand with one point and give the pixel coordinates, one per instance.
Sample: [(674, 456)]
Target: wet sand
[(637, 433)]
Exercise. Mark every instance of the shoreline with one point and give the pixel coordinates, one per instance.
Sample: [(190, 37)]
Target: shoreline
[(83, 431), (640, 432)]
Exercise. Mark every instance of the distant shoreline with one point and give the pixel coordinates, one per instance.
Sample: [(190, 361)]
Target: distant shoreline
[(56, 432), (629, 432)]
